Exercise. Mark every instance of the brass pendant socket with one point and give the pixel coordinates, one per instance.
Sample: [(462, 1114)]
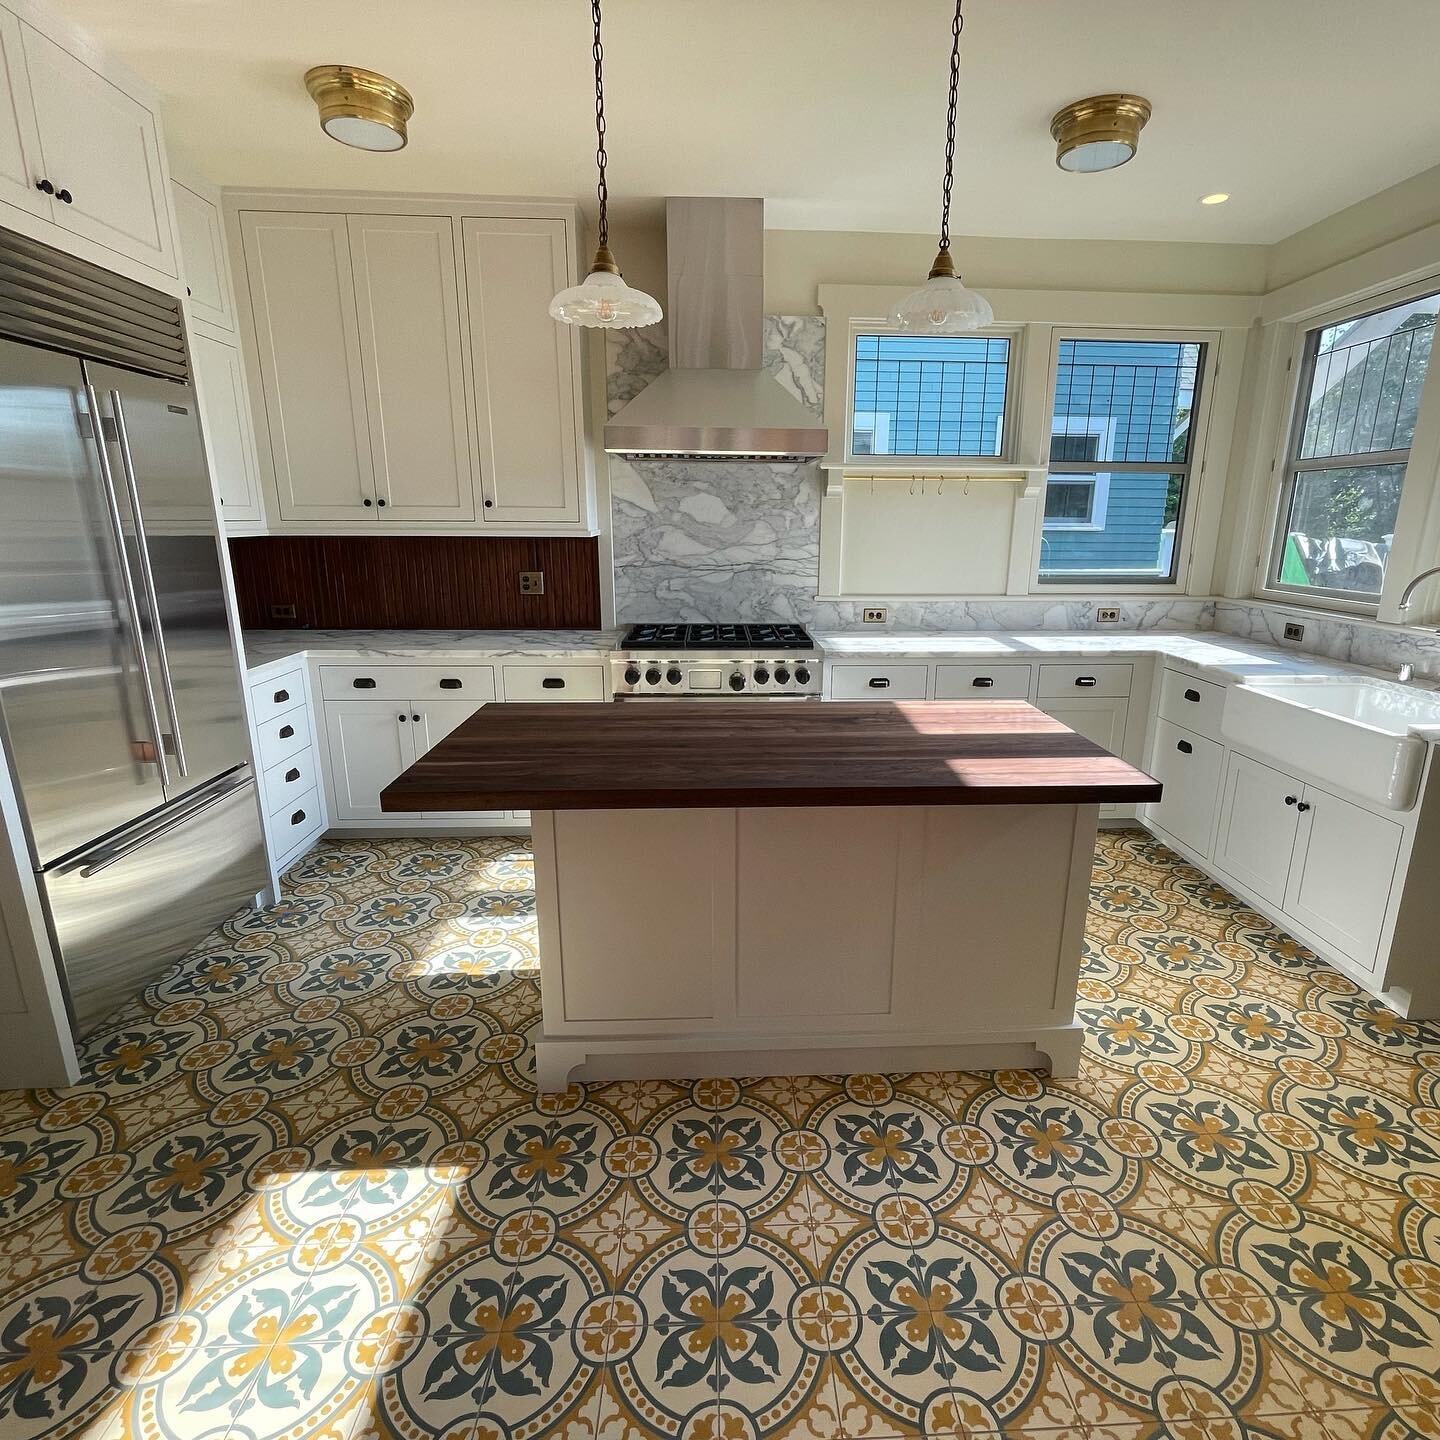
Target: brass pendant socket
[(1099, 119), (348, 92), (604, 260), (944, 266)]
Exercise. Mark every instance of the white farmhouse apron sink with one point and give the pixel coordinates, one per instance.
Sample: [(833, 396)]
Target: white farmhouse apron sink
[(1359, 734)]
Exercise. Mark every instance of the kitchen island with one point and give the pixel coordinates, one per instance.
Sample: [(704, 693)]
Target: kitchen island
[(794, 888)]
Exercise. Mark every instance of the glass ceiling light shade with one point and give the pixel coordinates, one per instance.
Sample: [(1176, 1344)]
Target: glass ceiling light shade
[(360, 108), (942, 305), (1100, 133), (603, 301)]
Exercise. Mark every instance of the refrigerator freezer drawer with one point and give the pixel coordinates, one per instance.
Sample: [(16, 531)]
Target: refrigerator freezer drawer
[(122, 914)]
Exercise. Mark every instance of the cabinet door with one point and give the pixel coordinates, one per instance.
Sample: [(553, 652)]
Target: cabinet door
[(526, 371), (1258, 816), (1341, 876), (225, 412), (370, 743), (1102, 721), (407, 302), (437, 719), (307, 340), (19, 140), (202, 257), (1188, 766), (101, 147)]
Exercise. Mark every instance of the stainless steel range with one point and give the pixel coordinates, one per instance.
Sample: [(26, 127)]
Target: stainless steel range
[(721, 662)]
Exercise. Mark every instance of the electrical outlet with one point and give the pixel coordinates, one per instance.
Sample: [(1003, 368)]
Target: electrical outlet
[(532, 582), (282, 612), (875, 615), (1108, 615), (1294, 631)]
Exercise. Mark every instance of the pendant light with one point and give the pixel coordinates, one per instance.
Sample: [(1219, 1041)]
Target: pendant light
[(942, 305), (603, 300)]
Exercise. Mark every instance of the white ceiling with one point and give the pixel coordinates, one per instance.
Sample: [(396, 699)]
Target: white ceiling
[(833, 110)]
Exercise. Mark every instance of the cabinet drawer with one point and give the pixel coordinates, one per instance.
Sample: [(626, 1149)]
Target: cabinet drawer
[(878, 682), (276, 696), (282, 736), (1195, 704), (408, 682), (300, 820), (1057, 681), (555, 682), (1188, 766), (283, 782), (982, 682)]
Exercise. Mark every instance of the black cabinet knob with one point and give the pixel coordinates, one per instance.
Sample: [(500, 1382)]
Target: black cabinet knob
[(489, 504), (402, 718), (64, 196), (381, 502), (1303, 805), (415, 718), (367, 502), (1291, 799), (44, 187)]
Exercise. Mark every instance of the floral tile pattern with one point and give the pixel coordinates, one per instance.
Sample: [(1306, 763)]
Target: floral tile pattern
[(306, 1188)]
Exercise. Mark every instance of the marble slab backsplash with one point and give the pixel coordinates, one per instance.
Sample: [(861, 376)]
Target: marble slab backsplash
[(1337, 637)]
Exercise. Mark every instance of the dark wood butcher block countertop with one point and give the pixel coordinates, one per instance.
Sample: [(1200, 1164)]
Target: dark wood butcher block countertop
[(712, 753)]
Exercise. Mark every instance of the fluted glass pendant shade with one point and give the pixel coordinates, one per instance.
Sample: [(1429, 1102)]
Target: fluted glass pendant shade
[(942, 305), (603, 301)]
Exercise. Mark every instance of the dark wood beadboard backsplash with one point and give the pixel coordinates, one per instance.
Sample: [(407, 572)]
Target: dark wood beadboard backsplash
[(414, 582)]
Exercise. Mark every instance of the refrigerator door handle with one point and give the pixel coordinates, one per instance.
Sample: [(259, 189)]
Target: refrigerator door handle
[(127, 581), (92, 862), (127, 464)]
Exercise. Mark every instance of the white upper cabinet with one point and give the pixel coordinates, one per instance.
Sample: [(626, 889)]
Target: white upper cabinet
[(100, 150), (526, 370), (19, 139), (407, 301), (307, 341), (202, 258), (229, 433)]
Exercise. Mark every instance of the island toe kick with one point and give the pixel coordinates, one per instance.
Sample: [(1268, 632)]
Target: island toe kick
[(697, 942)]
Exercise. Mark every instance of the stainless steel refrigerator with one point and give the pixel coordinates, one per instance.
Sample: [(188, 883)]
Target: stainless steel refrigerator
[(120, 704)]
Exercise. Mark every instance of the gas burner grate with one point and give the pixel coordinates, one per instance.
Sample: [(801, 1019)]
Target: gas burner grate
[(717, 637)]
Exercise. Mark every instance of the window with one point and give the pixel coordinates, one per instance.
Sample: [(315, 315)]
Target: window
[(1121, 443), (938, 395), (1359, 394)]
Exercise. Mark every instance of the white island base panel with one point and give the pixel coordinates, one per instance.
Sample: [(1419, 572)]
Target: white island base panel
[(840, 940)]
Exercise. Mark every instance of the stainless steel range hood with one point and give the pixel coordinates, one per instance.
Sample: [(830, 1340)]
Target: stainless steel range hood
[(715, 402)]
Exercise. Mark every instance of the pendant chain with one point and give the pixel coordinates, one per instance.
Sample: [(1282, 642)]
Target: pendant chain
[(957, 25), (598, 50)]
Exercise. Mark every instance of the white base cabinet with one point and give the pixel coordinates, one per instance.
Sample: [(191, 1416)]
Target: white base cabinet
[(1189, 767)]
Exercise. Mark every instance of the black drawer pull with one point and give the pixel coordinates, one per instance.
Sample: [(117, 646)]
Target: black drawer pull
[(879, 682), (1291, 799), (286, 731), (1085, 680), (1193, 695), (1184, 747), (552, 682), (297, 818), (281, 696), (982, 682), (450, 683), (291, 775), (364, 682)]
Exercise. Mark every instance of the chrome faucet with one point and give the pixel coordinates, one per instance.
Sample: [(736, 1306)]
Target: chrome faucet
[(1414, 585)]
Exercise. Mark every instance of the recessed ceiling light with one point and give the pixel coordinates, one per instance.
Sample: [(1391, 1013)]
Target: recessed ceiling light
[(1218, 198)]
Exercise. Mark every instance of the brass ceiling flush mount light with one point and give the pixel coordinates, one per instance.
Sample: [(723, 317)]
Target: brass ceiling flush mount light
[(1100, 133), (942, 305), (359, 107), (603, 301)]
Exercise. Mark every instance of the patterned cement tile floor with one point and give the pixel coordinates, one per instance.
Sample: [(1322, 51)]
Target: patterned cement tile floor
[(305, 1188)]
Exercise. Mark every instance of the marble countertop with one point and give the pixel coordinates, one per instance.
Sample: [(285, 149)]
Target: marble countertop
[(263, 647)]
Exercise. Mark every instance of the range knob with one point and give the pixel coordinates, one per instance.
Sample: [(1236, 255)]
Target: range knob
[(737, 681), (761, 674), (652, 676), (673, 675), (802, 675), (782, 675), (632, 674)]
